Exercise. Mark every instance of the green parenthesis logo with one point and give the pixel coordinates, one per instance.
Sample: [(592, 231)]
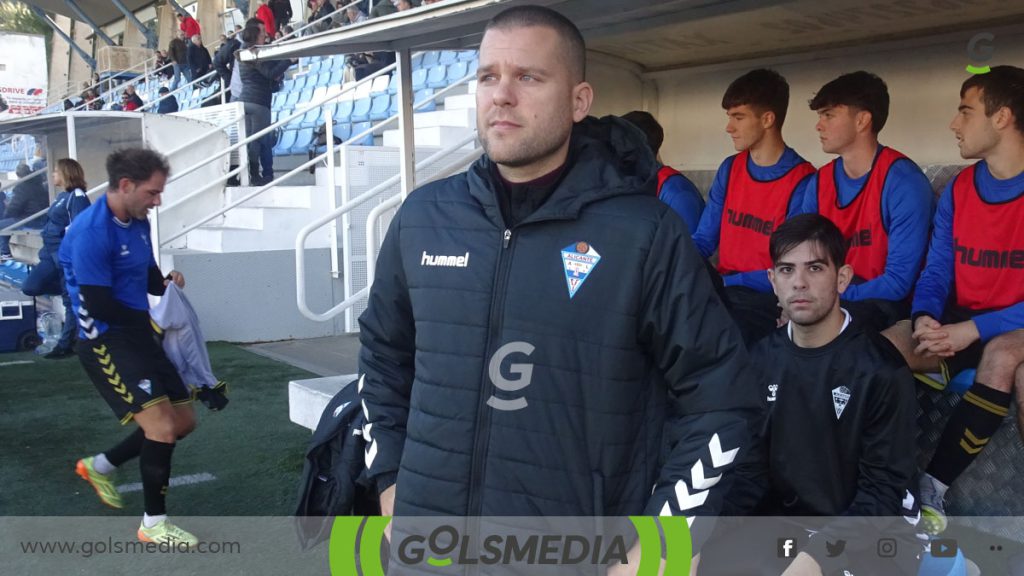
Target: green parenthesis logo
[(676, 549), (355, 545)]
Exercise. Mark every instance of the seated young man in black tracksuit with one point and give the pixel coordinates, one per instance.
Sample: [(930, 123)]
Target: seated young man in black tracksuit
[(838, 434)]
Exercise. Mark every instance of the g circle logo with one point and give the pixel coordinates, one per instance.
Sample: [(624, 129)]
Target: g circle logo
[(523, 371)]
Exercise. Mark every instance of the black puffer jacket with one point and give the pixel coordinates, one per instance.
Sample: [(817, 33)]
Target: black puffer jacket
[(258, 80), (466, 320)]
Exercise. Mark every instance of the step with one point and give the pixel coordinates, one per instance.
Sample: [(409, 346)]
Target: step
[(442, 136), (308, 398), (244, 218), (277, 197), (276, 235), (460, 102), (458, 118)]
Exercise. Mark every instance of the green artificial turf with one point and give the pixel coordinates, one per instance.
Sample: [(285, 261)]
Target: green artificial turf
[(51, 415)]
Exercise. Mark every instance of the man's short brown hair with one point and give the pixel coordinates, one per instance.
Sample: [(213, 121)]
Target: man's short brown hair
[(526, 16)]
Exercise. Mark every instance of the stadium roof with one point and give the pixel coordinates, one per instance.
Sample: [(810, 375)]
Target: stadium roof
[(667, 34), (103, 12)]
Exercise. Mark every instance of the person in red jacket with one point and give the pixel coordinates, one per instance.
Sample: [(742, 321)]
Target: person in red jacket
[(188, 25), (266, 15)]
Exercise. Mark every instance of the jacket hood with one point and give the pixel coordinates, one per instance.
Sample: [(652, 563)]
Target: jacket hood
[(607, 157)]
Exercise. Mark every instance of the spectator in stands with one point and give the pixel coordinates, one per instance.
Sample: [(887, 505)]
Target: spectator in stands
[(674, 189), (28, 198), (92, 100), (266, 15), (199, 61), (282, 10), (168, 103), (68, 104), (753, 192), (235, 87), (70, 201), (130, 100), (404, 5), (163, 65), (968, 307), (258, 80), (382, 8), (224, 61), (177, 51), (355, 14), (188, 25), (878, 197), (319, 10)]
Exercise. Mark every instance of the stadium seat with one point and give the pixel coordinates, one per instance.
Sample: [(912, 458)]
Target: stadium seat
[(338, 63), (343, 112), (472, 66), (277, 100), (429, 59), (422, 95), (380, 84), (379, 106), (341, 131), (437, 77), (447, 57), (298, 83), (366, 140), (393, 84), (467, 55), (320, 92), (285, 143), (457, 71), (303, 140), (419, 79), (312, 118), (337, 78), (417, 60), (306, 95), (292, 99), (361, 110)]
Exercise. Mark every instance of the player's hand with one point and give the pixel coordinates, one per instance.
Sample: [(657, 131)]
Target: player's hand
[(177, 277), (925, 324), (803, 565), (949, 340), (387, 507)]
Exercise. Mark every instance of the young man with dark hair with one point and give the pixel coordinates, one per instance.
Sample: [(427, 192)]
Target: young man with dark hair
[(674, 189), (753, 192), (109, 269), (574, 279), (838, 432), (968, 309), (879, 198)]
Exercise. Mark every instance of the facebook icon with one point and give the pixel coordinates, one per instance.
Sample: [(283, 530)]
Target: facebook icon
[(787, 547)]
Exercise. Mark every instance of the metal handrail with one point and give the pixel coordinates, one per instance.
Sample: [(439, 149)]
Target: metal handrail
[(304, 233), (260, 190), (307, 25)]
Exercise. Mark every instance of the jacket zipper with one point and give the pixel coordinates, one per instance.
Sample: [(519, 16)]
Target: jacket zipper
[(481, 435)]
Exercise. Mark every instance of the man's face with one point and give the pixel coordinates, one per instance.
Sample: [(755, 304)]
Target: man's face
[(807, 283), (526, 99), (837, 127), (140, 197), (975, 133), (745, 127)]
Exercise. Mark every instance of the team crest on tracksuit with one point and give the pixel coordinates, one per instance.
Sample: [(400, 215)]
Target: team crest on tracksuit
[(578, 260), (840, 398)]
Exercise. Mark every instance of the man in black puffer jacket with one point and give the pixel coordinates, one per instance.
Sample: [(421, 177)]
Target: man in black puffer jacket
[(258, 79), (542, 338)]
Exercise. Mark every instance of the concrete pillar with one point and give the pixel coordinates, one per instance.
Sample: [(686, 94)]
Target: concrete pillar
[(209, 15), (80, 72), (133, 37), (167, 25), (60, 62)]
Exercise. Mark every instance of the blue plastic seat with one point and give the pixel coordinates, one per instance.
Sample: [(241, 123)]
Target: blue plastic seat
[(311, 119), (457, 71), (430, 59), (291, 100), (337, 77), (341, 131), (323, 78), (343, 112), (437, 77), (361, 110), (419, 79), (306, 95), (285, 142), (417, 61), (365, 140), (447, 57), (467, 55), (393, 84), (379, 106), (303, 140), (472, 66), (422, 95), (298, 83)]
